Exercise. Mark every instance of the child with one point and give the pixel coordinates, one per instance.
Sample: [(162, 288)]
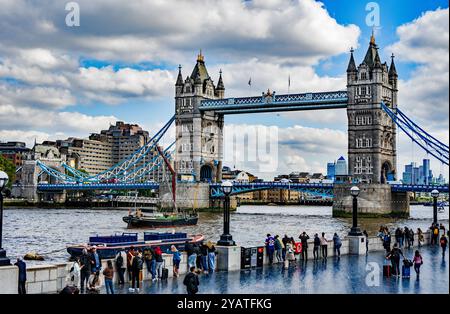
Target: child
[(418, 261), (109, 274), (176, 260)]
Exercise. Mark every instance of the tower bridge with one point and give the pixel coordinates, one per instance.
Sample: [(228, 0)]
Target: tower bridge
[(373, 116)]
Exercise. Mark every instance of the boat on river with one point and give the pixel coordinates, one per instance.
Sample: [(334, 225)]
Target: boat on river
[(161, 220), (109, 246)]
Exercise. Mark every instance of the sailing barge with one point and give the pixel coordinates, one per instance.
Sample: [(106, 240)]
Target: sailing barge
[(175, 218)]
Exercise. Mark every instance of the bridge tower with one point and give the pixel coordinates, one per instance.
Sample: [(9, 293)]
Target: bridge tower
[(199, 134), (372, 147)]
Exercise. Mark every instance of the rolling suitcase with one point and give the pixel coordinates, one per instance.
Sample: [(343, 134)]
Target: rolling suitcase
[(165, 272), (406, 271), (387, 270)]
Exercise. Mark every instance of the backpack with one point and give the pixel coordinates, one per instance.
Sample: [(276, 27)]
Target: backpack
[(139, 262), (119, 261), (436, 231), (191, 284)]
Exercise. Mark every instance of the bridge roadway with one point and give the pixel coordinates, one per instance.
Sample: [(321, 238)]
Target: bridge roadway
[(271, 102), (324, 189)]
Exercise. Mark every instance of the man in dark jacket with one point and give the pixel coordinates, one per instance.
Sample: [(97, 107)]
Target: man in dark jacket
[(85, 266), (22, 275), (394, 256), (191, 282), (304, 239)]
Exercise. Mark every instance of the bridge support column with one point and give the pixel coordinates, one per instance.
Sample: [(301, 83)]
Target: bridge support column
[(190, 195), (373, 200)]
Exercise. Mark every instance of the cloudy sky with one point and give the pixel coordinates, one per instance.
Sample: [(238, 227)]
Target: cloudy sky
[(121, 63)]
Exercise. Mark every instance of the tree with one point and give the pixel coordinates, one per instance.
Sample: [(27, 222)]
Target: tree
[(8, 167)]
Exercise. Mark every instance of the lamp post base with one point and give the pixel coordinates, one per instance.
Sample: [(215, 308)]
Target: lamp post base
[(4, 261), (226, 240), (355, 231)]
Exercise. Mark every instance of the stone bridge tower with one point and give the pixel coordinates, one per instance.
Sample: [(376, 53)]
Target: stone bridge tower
[(372, 151), (372, 146), (199, 134)]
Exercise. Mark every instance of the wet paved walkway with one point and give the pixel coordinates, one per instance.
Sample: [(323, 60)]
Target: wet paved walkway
[(347, 275)]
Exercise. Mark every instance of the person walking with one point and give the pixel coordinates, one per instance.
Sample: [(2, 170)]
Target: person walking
[(420, 237), (109, 275), (394, 256), (22, 275), (75, 273), (121, 265), (278, 249), (366, 235), (204, 256), (443, 241), (304, 239), (337, 245), (85, 266), (136, 266), (324, 246), (316, 247), (191, 281), (211, 256), (270, 247), (417, 261)]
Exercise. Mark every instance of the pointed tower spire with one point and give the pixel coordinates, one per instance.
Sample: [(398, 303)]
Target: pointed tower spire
[(372, 38), (200, 57), (351, 64), (392, 69), (220, 85), (180, 77)]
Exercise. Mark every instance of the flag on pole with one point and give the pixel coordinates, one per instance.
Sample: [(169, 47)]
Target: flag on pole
[(289, 81), (250, 82)]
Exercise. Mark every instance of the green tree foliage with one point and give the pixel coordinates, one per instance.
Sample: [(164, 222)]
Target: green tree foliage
[(8, 167)]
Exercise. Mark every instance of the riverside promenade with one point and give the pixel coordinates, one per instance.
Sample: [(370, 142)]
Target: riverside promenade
[(346, 275)]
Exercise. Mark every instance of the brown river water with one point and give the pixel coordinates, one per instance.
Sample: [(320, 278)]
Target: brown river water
[(49, 231)]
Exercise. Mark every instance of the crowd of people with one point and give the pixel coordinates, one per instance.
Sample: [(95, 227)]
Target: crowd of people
[(285, 250), (406, 238), (85, 270)]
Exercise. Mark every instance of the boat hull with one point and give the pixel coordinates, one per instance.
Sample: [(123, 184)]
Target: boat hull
[(159, 222), (109, 251)]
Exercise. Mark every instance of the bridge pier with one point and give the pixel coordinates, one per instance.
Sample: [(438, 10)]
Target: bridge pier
[(374, 199), (189, 195)]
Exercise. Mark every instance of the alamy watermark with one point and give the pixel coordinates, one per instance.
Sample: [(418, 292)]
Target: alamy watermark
[(373, 17), (373, 275), (73, 17)]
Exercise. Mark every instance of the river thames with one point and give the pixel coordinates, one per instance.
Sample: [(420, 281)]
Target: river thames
[(49, 231)]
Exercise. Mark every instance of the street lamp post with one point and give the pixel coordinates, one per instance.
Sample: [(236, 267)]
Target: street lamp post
[(226, 239), (4, 261), (435, 195), (355, 231)]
